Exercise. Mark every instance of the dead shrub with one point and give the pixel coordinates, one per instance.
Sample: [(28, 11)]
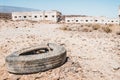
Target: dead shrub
[(89, 25), (69, 29), (81, 25), (6, 20), (118, 33), (107, 29), (96, 27), (30, 21), (64, 28), (110, 25), (86, 30)]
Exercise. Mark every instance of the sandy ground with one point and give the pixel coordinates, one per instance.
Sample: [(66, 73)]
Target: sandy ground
[(91, 55)]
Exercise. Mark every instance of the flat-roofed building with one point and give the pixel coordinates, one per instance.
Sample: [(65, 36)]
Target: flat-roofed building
[(56, 16), (90, 20), (53, 15)]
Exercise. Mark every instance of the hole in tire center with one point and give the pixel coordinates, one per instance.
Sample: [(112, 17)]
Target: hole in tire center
[(37, 51)]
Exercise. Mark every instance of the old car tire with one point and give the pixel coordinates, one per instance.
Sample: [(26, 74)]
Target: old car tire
[(25, 61)]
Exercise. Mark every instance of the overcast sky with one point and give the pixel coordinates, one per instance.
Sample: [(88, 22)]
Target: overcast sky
[(107, 8)]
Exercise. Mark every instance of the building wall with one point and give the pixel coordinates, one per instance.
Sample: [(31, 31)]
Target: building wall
[(37, 15), (56, 16), (91, 20), (50, 16)]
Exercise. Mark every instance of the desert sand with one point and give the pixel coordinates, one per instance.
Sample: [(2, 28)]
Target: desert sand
[(90, 55)]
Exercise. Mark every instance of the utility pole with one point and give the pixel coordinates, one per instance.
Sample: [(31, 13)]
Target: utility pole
[(119, 15)]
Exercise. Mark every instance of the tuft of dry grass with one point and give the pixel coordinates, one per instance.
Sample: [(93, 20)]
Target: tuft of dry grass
[(86, 30), (107, 29), (118, 33), (64, 27), (91, 27), (96, 27)]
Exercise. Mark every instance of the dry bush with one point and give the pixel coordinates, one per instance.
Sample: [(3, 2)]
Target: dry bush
[(81, 25), (86, 30), (110, 25), (107, 29), (118, 33), (6, 21), (114, 28), (64, 27), (96, 27), (88, 25), (118, 30), (30, 21)]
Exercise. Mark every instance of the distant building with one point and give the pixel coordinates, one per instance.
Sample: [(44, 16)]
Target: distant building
[(5, 16), (56, 16), (90, 20), (53, 16)]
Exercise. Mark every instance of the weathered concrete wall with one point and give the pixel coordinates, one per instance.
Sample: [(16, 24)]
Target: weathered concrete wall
[(56, 16), (91, 20), (21, 15), (37, 15)]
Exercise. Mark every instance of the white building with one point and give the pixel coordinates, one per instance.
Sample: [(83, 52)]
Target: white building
[(53, 16), (90, 20)]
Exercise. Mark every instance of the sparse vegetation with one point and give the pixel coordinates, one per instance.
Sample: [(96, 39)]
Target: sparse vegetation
[(107, 29), (118, 33), (64, 27), (6, 20), (91, 27), (96, 27), (86, 30)]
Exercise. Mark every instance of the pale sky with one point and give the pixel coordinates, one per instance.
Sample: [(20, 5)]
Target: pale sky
[(107, 8)]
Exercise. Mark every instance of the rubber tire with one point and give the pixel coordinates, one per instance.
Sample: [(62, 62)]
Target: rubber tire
[(24, 64)]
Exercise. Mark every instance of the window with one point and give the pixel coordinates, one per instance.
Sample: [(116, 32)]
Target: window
[(25, 16), (53, 16), (86, 20), (112, 21), (46, 16), (68, 20), (15, 17), (29, 16), (40, 16), (76, 20), (35, 16), (19, 16), (96, 20)]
